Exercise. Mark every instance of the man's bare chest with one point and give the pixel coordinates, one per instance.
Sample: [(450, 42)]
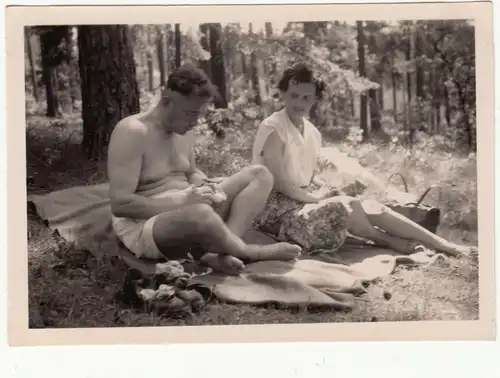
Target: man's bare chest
[(165, 156)]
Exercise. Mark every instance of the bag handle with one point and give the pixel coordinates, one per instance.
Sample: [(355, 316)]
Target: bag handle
[(422, 197), (402, 179)]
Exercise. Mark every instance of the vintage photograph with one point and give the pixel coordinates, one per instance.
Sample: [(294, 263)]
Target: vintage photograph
[(228, 173), (280, 171)]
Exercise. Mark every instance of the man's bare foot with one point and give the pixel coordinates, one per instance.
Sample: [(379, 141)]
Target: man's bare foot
[(223, 263), (278, 251)]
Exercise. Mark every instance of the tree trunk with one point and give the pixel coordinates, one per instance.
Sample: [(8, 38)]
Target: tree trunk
[(447, 106), (269, 29), (394, 96), (204, 42), (50, 81), (149, 56), (243, 64), (381, 96), (254, 76), (217, 64), (420, 69), (52, 55), (374, 111), (408, 74), (177, 45), (161, 54), (29, 51), (362, 72), (109, 85)]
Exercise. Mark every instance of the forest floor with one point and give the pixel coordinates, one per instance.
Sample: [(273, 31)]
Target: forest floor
[(71, 289)]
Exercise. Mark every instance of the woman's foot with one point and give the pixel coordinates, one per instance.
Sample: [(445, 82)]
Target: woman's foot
[(278, 251), (226, 264), (462, 250)]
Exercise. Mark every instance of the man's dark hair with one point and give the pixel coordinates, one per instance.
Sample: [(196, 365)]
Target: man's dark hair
[(301, 73), (190, 80)]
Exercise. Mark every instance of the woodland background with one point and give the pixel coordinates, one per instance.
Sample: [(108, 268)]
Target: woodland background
[(401, 98)]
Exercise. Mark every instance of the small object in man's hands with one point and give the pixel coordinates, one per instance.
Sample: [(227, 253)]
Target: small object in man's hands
[(218, 194)]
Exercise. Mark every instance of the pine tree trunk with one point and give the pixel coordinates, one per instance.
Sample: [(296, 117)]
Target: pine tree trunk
[(29, 51), (362, 72), (381, 97), (109, 85), (447, 106), (52, 55), (161, 54), (217, 64), (204, 42), (177, 45), (374, 111), (149, 55), (51, 96)]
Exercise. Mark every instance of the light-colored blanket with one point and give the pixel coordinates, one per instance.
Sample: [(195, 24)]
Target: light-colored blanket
[(82, 216)]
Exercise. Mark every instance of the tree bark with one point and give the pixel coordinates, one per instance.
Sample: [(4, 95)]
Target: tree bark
[(204, 42), (109, 85), (177, 45), (161, 54), (29, 51), (362, 72), (52, 55), (394, 95), (447, 105), (217, 64), (374, 111)]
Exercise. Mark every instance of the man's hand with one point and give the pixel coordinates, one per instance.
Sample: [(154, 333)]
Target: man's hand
[(197, 195), (215, 180)]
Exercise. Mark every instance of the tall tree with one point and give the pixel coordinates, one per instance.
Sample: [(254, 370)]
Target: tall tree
[(217, 64), (109, 85), (53, 48), (204, 41), (254, 73), (31, 60), (362, 72), (161, 53), (177, 37)]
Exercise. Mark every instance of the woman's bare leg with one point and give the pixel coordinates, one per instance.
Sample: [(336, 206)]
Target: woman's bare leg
[(359, 225), (400, 226), (201, 225)]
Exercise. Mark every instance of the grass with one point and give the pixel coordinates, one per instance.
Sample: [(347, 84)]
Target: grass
[(69, 288)]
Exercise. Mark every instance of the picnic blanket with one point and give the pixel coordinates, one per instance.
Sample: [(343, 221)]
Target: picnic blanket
[(82, 216)]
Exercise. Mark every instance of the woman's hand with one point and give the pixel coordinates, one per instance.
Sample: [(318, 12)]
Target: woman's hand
[(326, 192)]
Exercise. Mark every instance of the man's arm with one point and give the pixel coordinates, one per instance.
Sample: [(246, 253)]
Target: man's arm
[(273, 157), (125, 154), (195, 175)]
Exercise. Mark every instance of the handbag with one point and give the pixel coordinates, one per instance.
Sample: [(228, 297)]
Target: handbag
[(426, 216)]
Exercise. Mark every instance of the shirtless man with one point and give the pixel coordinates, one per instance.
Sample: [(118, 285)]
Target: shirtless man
[(162, 204)]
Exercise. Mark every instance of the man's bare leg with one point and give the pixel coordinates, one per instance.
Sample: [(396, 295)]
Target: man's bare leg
[(201, 225), (247, 192)]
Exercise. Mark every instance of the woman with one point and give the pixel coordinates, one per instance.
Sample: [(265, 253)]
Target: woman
[(289, 146)]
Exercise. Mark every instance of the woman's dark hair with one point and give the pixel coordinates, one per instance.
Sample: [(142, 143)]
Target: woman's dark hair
[(191, 80), (301, 73)]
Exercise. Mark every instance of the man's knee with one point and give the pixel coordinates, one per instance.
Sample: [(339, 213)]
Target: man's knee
[(261, 173), (202, 217)]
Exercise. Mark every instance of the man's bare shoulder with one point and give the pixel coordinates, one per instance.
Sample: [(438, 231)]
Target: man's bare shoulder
[(132, 126), (128, 137)]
